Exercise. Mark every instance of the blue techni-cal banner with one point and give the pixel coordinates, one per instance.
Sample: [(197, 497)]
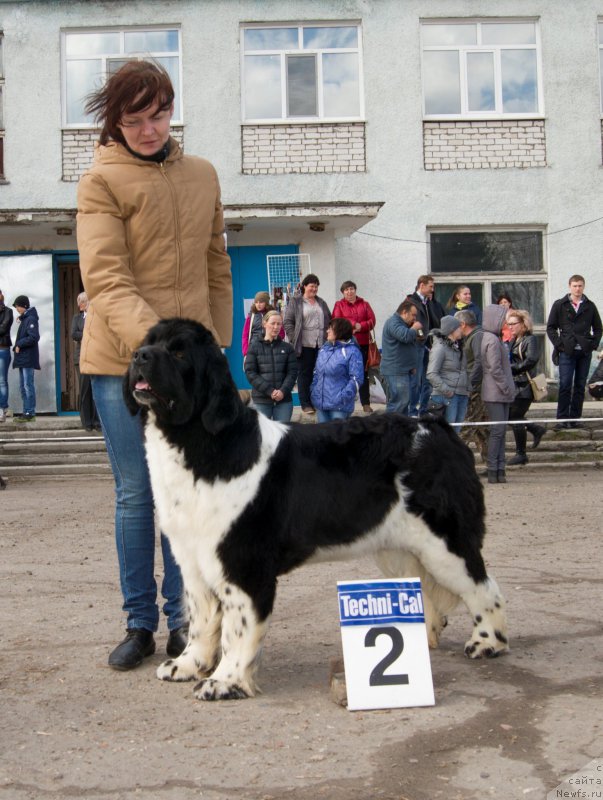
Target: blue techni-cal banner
[(380, 602)]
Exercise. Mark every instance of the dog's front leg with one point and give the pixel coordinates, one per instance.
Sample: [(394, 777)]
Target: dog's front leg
[(200, 655), (242, 637)]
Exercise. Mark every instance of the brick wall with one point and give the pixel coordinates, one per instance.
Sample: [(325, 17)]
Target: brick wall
[(78, 150), (484, 145), (285, 149)]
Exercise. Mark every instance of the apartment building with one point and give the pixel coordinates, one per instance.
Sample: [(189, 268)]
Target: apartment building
[(371, 140)]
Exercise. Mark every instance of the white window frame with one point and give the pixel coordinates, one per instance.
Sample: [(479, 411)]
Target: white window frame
[(464, 49), (283, 53), (104, 57)]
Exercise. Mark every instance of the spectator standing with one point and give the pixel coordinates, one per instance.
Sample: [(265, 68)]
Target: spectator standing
[(447, 370), (574, 328), (429, 314), (476, 411), (27, 356), (362, 317), (88, 416), (253, 328), (401, 333), (338, 373), (306, 322), (271, 369), (505, 300), (498, 389), (524, 359), (460, 300), (150, 233), (6, 322)]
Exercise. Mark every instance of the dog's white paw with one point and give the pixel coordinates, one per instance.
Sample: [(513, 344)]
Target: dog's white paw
[(486, 646), (212, 689), (179, 669)]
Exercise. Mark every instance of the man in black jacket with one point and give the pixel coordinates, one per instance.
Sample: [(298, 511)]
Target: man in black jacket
[(574, 328), (429, 314), (6, 321)]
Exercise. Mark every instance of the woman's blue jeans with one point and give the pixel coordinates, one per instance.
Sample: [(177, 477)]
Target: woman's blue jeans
[(134, 514), (28, 390), (4, 365), (279, 412), (327, 416), (456, 407)]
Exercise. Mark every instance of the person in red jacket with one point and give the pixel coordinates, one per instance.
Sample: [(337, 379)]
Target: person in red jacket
[(359, 312)]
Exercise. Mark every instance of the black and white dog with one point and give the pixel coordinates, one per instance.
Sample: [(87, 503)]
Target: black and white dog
[(244, 500)]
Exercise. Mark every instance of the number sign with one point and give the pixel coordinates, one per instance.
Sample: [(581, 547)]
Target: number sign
[(384, 639)]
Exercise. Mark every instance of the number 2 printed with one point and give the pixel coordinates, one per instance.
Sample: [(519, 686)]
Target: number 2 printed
[(378, 678)]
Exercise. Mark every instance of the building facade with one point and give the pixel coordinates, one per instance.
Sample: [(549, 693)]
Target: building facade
[(371, 140)]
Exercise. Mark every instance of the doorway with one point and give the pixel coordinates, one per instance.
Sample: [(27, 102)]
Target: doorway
[(68, 284)]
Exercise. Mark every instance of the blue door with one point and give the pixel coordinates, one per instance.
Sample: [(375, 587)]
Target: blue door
[(249, 275)]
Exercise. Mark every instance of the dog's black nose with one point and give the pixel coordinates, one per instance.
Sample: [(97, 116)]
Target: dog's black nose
[(142, 355)]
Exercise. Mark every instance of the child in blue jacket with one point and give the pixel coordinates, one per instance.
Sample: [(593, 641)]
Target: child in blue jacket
[(338, 373)]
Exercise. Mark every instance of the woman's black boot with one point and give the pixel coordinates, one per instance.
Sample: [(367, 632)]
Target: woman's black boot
[(518, 458), (502, 477), (492, 476)]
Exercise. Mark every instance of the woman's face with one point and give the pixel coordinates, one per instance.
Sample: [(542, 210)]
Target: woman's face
[(260, 305), (456, 334), (148, 130), (331, 335), (311, 290), (465, 294), (504, 302), (350, 294), (273, 326), (516, 325)]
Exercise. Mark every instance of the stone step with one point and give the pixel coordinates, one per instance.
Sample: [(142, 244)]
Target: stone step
[(33, 458), (54, 471)]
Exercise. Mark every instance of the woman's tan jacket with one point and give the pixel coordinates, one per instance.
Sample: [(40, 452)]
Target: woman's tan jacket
[(151, 244)]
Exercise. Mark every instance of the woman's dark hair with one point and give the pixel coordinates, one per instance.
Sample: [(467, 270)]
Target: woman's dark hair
[(310, 278), (455, 295), (133, 88), (342, 328), (347, 285), (504, 296)]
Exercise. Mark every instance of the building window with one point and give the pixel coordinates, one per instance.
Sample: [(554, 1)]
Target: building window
[(301, 72), (491, 263), (90, 56), (481, 69)]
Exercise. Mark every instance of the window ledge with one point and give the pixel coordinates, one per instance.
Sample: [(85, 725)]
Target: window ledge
[(474, 118), (259, 122)]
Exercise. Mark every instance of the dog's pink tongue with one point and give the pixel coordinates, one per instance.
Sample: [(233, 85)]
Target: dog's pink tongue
[(142, 385)]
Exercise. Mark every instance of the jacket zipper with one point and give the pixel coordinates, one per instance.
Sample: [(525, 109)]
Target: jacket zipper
[(177, 287)]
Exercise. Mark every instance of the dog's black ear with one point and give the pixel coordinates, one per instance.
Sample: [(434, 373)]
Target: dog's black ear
[(131, 404), (222, 402)]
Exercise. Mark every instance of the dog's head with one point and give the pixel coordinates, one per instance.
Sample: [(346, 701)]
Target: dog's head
[(180, 374)]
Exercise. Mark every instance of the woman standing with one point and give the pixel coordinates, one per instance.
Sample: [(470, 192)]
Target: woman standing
[(362, 317), (460, 300), (447, 369), (271, 369), (505, 300), (338, 373), (306, 321), (150, 236), (498, 389), (524, 358), (253, 328)]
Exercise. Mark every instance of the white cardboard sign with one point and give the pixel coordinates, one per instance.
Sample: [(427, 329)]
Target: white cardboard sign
[(384, 639)]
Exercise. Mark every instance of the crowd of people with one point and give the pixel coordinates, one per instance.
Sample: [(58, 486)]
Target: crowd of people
[(144, 200)]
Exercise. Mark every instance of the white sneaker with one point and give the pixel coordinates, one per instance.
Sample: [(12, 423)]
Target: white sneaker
[(2, 415)]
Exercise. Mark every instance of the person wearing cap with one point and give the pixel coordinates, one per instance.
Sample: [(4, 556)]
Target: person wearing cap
[(26, 356), (306, 323), (447, 370), (6, 322), (253, 324)]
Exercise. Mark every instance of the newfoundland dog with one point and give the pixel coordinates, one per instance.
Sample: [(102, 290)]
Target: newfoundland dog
[(244, 499)]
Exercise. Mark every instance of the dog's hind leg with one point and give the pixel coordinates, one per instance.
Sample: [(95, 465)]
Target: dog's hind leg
[(200, 655), (437, 601), (477, 590), (242, 637)]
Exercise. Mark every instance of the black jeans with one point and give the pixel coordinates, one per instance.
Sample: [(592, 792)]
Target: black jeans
[(305, 371), (364, 390)]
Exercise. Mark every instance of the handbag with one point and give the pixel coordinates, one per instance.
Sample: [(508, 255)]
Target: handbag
[(437, 409), (539, 388), (373, 358)]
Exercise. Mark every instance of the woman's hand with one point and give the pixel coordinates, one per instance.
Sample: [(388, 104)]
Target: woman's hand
[(277, 395)]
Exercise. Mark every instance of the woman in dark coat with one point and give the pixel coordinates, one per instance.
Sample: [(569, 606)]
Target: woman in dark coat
[(524, 359), (271, 369)]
